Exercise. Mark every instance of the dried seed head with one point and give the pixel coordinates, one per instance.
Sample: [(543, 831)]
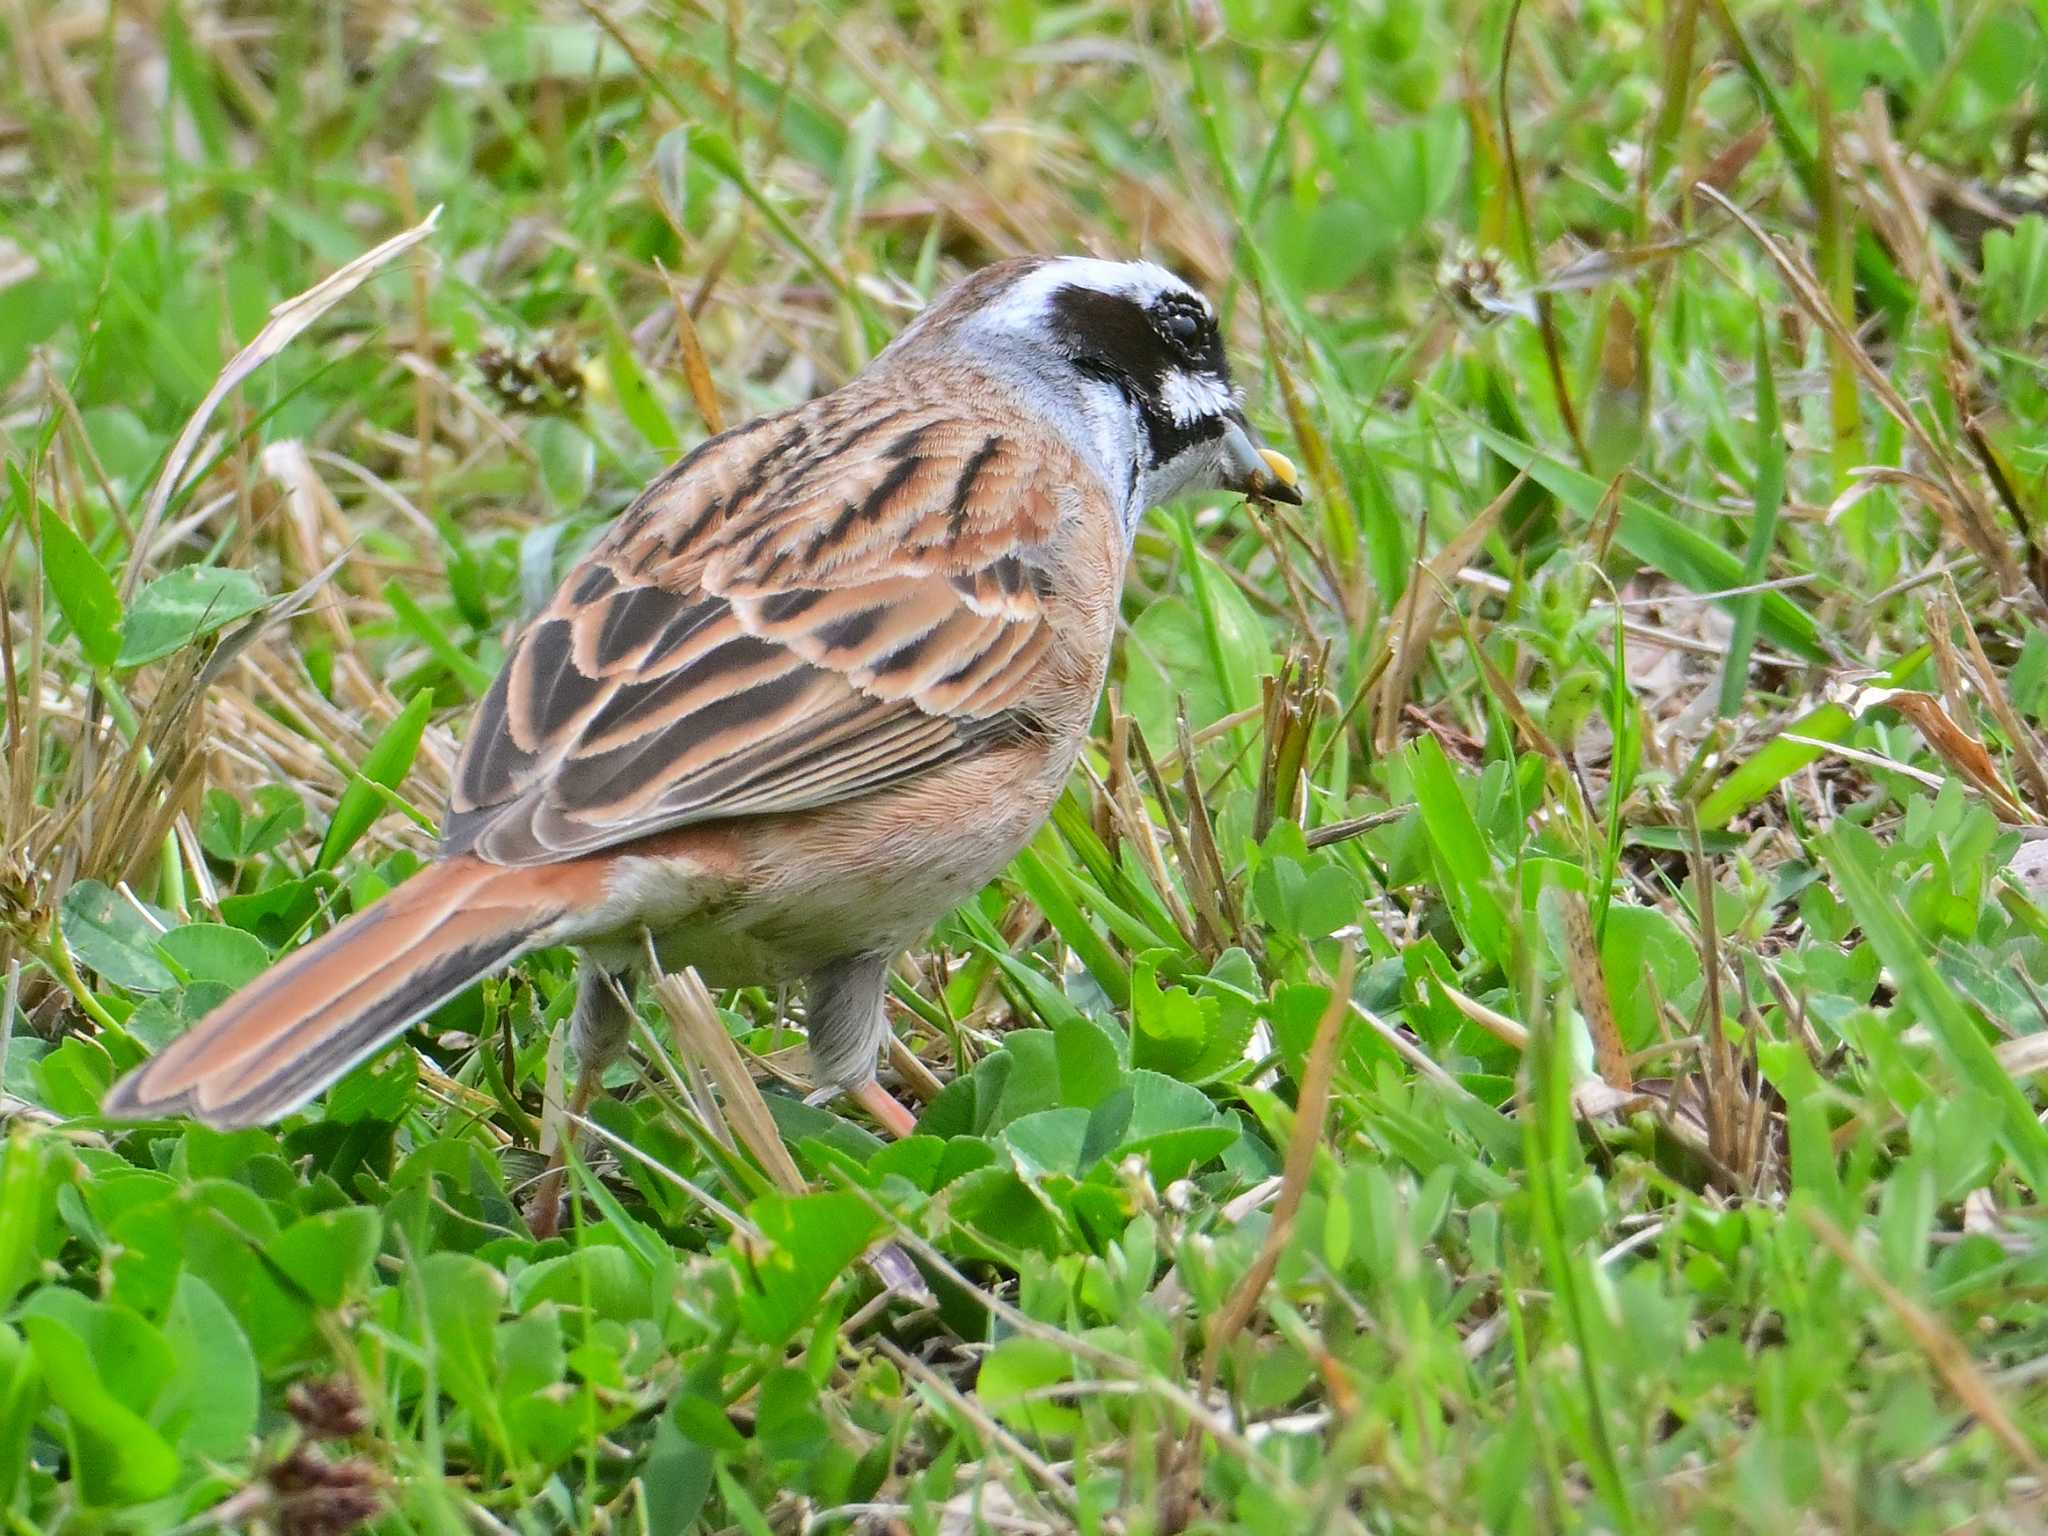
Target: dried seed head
[(1476, 282), (318, 1497), (540, 379), (328, 1409)]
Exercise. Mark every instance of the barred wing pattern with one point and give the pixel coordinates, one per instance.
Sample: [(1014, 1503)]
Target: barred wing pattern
[(813, 607)]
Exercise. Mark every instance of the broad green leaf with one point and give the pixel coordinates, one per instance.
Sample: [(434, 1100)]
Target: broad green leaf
[(1048, 1141), (211, 1405), (602, 1279), (1172, 1155), (1307, 898), (1001, 1215), (675, 1479), (278, 912), (530, 1353), (568, 460), (1089, 1068), (119, 1457), (1167, 666), (1464, 863), (21, 1392), (29, 1180), (75, 1075), (811, 1242), (217, 1229), (215, 952), (107, 934), (1013, 1382), (329, 1254), (1170, 1027), (787, 1421), (2015, 283), (1159, 1103), (705, 1424), (799, 1122), (185, 605), (637, 398), (464, 1296), (84, 591), (231, 832), (1641, 946)]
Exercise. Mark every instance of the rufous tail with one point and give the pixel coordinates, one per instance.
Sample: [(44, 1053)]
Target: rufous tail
[(323, 1008)]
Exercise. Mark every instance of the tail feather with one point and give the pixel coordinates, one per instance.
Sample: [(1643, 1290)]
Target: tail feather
[(322, 1009)]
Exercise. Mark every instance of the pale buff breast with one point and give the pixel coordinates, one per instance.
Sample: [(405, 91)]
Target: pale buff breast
[(767, 901)]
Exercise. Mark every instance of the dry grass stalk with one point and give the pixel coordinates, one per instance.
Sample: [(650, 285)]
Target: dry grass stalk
[(1332, 487), (1496, 1024), (696, 368), (1124, 811), (1593, 1098), (2019, 736), (1728, 1092), (1293, 699), (1209, 925), (1960, 749), (1589, 982), (286, 323), (1404, 639), (701, 1036), (1509, 697), (1207, 875), (1311, 1105), (1909, 232)]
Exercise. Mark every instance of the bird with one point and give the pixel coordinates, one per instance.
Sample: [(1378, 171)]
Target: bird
[(816, 686)]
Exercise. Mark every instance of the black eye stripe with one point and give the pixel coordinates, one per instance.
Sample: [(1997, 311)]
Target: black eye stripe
[(1115, 337)]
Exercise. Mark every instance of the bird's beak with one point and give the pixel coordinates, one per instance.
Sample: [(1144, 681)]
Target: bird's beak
[(1253, 469)]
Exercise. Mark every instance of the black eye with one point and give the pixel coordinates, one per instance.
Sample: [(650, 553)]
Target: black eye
[(1184, 326)]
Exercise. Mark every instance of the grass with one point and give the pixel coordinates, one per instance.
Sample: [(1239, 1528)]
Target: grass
[(1530, 1017)]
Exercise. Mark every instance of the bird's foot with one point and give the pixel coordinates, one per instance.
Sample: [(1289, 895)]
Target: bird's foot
[(876, 1100)]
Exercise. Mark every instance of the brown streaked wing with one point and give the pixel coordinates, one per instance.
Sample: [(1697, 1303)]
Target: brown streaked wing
[(811, 608)]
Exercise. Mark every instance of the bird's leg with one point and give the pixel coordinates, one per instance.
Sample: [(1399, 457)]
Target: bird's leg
[(597, 1031), (895, 1118), (846, 1025)]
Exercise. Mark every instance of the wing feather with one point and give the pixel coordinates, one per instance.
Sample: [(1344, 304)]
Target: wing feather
[(811, 608)]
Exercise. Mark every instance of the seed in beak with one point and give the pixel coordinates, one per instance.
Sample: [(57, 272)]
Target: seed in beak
[(1282, 467)]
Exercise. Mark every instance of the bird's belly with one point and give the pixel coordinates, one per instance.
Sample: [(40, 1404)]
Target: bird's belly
[(870, 876), (784, 935)]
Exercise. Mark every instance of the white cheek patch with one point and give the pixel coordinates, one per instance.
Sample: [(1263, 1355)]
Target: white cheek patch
[(1191, 396)]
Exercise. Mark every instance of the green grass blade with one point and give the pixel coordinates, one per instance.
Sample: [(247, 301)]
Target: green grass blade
[(1767, 500), (1859, 865)]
